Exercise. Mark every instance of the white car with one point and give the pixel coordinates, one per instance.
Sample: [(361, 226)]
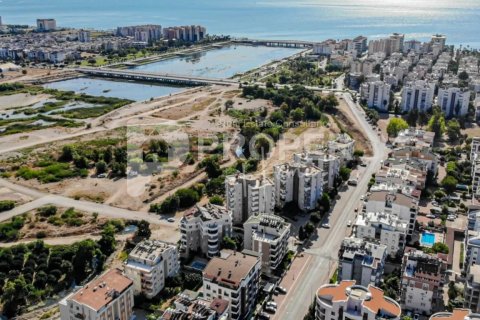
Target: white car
[(326, 226), (349, 223), (362, 197), (272, 304), (171, 219)]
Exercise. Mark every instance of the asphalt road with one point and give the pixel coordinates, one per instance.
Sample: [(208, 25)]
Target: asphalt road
[(323, 251)]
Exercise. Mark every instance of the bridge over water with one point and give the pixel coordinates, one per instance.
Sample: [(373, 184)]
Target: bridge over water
[(168, 78)]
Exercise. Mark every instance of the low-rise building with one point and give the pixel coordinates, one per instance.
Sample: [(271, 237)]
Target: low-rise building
[(348, 301), (107, 297), (420, 281), (203, 229), (189, 307), (385, 228), (267, 234), (362, 261), (414, 137), (149, 264), (233, 276), (472, 289)]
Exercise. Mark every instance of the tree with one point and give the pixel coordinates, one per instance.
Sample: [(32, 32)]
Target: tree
[(101, 167), (212, 168), (187, 197), (107, 241), (228, 104), (229, 243), (68, 152), (216, 199), (6, 205), (453, 130), (325, 202), (439, 247), (47, 211), (395, 125), (463, 75), (297, 114), (345, 173), (144, 229), (412, 117), (449, 183), (437, 123)]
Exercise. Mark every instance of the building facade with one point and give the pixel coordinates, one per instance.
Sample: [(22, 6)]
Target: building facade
[(149, 264), (267, 234), (108, 297), (234, 277), (203, 228)]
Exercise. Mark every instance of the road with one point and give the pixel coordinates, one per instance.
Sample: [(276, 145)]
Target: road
[(321, 256)]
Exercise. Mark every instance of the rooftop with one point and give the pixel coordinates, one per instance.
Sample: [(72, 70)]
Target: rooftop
[(102, 290), (149, 250), (230, 268), (457, 314), (207, 212), (372, 297)]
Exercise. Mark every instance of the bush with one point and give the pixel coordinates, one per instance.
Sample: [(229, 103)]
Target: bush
[(6, 205), (216, 200), (47, 211)]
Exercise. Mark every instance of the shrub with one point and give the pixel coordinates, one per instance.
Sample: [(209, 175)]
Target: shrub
[(6, 205)]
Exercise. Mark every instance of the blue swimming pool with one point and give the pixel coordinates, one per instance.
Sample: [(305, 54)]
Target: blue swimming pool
[(198, 265), (428, 239)]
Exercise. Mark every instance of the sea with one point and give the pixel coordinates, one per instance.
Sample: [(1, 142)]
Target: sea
[(313, 20)]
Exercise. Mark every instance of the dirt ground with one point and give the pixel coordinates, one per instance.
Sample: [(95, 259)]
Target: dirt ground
[(7, 194), (346, 118)]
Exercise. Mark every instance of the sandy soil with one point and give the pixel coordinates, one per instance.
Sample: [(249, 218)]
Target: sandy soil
[(7, 194), (20, 100)]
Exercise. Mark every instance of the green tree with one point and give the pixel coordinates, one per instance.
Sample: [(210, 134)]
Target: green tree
[(395, 125), (107, 241), (229, 243), (212, 168), (144, 229), (449, 183), (437, 123), (6, 205), (439, 247), (453, 130), (412, 117), (101, 167), (345, 173), (216, 199), (297, 114)]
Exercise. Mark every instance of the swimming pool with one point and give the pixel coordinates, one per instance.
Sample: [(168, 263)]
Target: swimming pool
[(428, 239), (198, 265)]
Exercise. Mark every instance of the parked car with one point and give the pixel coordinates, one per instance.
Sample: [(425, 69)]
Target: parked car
[(102, 175), (431, 216), (326, 226), (272, 304), (263, 316), (416, 316), (281, 290), (270, 309), (349, 223), (171, 219)]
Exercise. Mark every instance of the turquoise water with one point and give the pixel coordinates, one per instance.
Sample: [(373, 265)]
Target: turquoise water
[(222, 62), (428, 239), (118, 89), (291, 19)]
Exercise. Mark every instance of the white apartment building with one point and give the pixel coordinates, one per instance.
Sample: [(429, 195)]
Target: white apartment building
[(422, 155), (360, 44), (268, 235), (247, 195), (385, 228), (376, 95), (472, 251), (149, 264), (417, 94), (404, 206), (420, 282), (328, 164), (324, 48), (84, 36), (233, 276), (46, 24), (107, 297), (474, 218), (343, 147), (188, 306), (453, 101), (298, 183), (203, 229), (348, 301), (440, 40), (472, 289), (362, 261), (475, 148)]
